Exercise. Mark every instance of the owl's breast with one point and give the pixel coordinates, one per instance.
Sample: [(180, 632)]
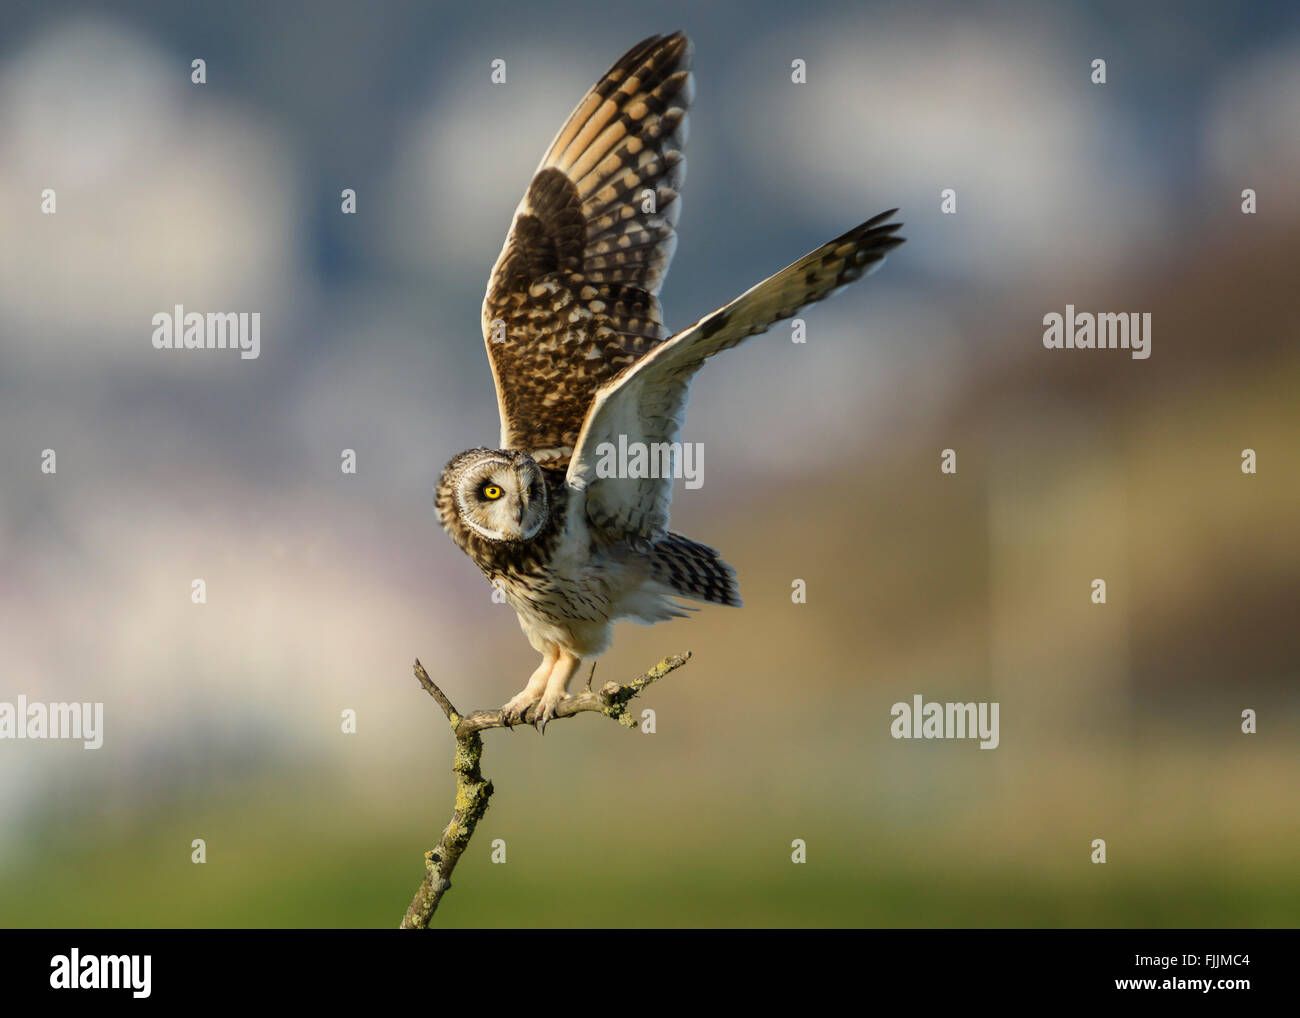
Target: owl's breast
[(568, 585)]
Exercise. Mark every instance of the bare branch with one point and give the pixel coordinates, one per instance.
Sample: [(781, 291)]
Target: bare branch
[(611, 700), (453, 715), (473, 790)]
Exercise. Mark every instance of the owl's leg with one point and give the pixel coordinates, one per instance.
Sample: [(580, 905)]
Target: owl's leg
[(557, 688), (532, 692)]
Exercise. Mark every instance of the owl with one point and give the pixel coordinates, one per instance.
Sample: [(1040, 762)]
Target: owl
[(583, 364)]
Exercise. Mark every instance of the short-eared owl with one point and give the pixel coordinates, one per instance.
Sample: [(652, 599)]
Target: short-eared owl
[(582, 361)]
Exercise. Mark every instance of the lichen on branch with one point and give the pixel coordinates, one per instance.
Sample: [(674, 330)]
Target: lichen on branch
[(473, 791)]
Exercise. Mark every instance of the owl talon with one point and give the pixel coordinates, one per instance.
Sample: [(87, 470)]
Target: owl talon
[(513, 712), (546, 709)]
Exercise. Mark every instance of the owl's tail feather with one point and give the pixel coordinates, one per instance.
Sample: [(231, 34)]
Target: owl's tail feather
[(694, 570)]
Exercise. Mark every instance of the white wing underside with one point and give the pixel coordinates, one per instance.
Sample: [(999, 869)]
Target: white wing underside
[(647, 402)]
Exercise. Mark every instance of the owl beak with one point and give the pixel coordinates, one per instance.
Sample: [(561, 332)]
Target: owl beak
[(521, 507)]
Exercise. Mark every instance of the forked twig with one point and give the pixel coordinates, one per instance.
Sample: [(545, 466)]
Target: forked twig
[(473, 790)]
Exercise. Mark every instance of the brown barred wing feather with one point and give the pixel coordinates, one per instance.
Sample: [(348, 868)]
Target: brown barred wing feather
[(572, 298)]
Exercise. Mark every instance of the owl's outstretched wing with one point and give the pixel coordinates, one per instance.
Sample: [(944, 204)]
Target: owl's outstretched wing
[(572, 298), (647, 403)]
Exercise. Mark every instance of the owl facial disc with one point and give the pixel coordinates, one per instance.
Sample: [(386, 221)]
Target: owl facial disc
[(502, 497)]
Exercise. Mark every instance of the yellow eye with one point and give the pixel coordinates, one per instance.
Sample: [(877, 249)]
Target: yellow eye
[(492, 492)]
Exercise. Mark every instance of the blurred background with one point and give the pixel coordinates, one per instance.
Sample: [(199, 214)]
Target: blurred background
[(1120, 722)]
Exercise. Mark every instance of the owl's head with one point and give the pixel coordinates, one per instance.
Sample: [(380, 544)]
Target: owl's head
[(499, 494)]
